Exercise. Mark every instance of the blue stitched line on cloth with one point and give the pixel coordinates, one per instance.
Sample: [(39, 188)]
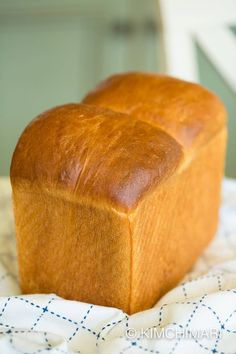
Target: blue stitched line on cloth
[(81, 322)]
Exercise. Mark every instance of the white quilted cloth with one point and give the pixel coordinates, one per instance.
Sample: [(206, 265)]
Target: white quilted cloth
[(198, 316)]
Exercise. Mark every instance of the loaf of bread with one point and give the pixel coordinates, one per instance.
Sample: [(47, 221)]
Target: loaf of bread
[(116, 197)]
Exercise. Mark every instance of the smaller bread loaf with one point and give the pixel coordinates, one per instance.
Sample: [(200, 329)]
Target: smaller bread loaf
[(116, 197)]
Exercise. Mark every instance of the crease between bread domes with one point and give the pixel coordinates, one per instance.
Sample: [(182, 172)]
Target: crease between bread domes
[(187, 111)]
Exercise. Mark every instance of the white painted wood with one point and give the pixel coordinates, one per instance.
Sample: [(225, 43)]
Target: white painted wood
[(192, 14), (219, 44), (204, 21), (179, 54)]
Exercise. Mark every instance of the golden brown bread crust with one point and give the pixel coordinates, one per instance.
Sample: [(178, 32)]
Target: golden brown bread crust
[(114, 208), (186, 111), (174, 224), (96, 154)]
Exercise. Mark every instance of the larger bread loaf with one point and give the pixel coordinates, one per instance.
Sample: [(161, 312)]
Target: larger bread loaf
[(115, 198)]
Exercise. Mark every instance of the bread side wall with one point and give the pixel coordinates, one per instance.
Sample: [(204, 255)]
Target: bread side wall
[(77, 251), (174, 224)]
